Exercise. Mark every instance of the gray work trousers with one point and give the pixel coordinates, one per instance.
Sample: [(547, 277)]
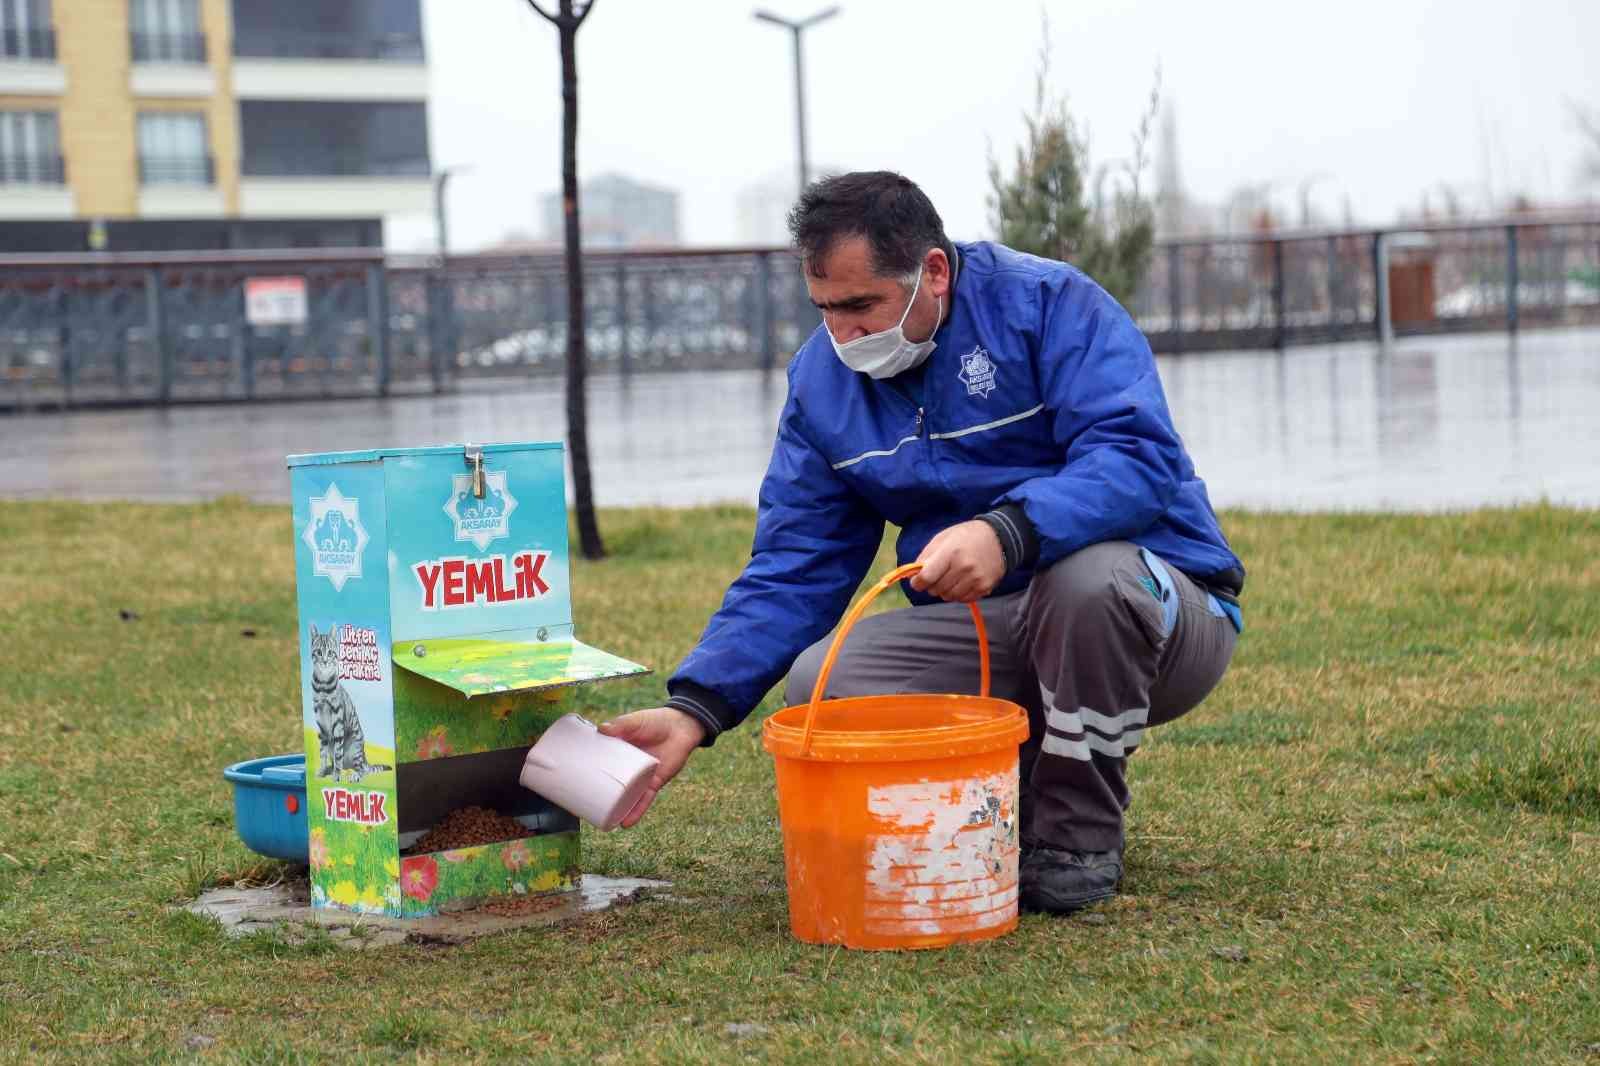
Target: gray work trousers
[(1097, 648)]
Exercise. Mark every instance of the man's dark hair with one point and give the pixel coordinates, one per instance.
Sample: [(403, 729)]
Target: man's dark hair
[(897, 219)]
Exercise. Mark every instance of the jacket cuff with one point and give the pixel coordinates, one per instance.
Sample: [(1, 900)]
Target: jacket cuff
[(704, 706), (1019, 541)]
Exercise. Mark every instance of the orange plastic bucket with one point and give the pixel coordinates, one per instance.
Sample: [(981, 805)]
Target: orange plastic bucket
[(899, 813)]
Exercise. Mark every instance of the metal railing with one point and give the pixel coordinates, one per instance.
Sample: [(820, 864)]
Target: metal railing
[(301, 44), (28, 44), (162, 328), (177, 170), (168, 47), (335, 166), (37, 169), (1306, 288)]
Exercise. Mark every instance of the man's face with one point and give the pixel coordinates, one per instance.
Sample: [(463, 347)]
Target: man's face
[(856, 302)]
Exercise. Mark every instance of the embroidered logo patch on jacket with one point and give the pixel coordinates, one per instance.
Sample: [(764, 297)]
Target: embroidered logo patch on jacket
[(977, 372)]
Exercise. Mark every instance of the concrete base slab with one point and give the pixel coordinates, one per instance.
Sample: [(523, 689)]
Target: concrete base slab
[(287, 907)]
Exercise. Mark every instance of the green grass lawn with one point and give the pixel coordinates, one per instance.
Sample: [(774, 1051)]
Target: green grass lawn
[(1378, 841)]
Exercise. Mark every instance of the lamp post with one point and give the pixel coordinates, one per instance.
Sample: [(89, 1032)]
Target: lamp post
[(440, 180), (795, 29)]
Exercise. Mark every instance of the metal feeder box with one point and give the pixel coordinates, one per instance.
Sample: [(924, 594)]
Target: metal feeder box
[(436, 637)]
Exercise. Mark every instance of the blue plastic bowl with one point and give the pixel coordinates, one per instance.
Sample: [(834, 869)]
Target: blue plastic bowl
[(269, 805)]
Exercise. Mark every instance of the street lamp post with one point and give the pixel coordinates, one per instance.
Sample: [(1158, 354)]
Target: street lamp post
[(440, 180), (795, 29)]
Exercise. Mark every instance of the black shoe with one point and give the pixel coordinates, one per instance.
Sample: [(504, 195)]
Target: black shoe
[(1057, 881)]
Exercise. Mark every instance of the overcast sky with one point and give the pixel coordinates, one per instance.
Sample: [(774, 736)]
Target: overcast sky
[(1376, 101)]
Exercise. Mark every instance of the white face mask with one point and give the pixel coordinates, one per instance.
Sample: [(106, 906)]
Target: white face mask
[(885, 354)]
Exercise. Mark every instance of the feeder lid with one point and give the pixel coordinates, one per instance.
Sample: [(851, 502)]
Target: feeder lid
[(502, 662), (368, 455)]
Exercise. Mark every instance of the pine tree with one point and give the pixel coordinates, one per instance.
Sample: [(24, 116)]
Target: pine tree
[(1055, 204)]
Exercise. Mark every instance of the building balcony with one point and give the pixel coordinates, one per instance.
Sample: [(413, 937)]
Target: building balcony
[(333, 158), (324, 166), (329, 79), (33, 187), (36, 169), (36, 45), (303, 44), (177, 170), (28, 65), (170, 64), (316, 50), (168, 47), (334, 195), (179, 187)]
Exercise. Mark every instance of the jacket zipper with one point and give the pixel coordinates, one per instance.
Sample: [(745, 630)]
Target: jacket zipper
[(900, 390)]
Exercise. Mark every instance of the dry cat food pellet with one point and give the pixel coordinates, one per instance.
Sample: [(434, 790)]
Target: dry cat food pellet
[(468, 827)]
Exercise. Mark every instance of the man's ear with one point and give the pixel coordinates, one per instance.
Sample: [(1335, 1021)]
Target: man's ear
[(936, 272)]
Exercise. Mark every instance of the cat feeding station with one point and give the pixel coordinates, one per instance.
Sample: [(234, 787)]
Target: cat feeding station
[(436, 645)]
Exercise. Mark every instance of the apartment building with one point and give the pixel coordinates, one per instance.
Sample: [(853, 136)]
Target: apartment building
[(142, 125), (618, 212)]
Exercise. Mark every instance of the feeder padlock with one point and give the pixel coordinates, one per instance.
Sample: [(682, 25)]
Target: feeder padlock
[(474, 457)]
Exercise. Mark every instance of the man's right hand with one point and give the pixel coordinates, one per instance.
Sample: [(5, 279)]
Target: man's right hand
[(665, 732)]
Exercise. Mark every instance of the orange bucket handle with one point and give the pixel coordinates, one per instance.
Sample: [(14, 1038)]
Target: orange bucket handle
[(849, 622)]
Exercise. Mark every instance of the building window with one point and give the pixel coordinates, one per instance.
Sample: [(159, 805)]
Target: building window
[(30, 149), (172, 149), (166, 31), (25, 30)]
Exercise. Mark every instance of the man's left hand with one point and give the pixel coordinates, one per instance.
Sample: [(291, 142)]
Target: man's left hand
[(962, 564)]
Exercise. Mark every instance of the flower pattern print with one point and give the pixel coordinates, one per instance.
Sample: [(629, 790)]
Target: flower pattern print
[(435, 744), (515, 855), (419, 876)]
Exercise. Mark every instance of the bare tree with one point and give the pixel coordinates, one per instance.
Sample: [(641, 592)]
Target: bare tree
[(567, 18)]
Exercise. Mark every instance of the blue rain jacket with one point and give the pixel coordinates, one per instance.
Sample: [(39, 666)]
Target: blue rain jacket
[(1041, 392)]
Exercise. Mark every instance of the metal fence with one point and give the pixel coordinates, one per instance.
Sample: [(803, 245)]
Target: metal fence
[(1307, 288), (646, 311), (84, 330)]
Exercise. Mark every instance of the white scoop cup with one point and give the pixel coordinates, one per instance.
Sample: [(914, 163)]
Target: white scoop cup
[(596, 777)]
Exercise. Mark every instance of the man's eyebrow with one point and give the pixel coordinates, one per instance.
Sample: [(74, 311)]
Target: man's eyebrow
[(849, 303)]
